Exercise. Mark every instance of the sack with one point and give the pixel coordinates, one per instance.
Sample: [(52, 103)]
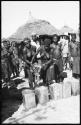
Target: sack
[(55, 90), (28, 99), (42, 94)]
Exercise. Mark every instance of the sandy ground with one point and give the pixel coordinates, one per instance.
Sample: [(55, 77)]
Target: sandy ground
[(59, 111), (66, 110)]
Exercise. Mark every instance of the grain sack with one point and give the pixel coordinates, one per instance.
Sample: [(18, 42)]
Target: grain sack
[(42, 94), (66, 88), (75, 86), (28, 99), (55, 90)]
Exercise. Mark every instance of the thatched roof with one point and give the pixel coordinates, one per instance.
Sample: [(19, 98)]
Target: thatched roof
[(38, 26), (66, 29)]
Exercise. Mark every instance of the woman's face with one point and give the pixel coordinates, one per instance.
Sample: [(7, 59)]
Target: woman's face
[(27, 43), (73, 37), (5, 44), (46, 47), (42, 42), (55, 39), (33, 37)]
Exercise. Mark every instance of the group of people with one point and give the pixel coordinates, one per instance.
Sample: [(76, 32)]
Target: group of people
[(54, 55)]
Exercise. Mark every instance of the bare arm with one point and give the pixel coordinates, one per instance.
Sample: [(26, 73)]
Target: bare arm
[(25, 57)]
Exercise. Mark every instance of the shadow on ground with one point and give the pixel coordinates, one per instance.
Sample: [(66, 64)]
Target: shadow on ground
[(11, 99)]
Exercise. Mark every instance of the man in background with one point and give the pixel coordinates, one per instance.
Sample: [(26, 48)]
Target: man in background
[(74, 49), (5, 64)]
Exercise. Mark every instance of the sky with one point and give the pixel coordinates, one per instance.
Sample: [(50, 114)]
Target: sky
[(59, 13)]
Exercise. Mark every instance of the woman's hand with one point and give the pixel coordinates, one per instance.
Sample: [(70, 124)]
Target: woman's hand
[(43, 65), (31, 64)]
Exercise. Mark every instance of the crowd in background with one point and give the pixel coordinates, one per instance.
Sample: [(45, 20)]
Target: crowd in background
[(55, 54)]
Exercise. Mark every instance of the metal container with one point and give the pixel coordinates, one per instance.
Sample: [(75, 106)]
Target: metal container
[(55, 90), (75, 86), (28, 99), (66, 88), (42, 94)]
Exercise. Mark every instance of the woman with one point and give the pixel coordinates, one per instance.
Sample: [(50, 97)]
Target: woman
[(57, 54), (28, 52), (46, 62)]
